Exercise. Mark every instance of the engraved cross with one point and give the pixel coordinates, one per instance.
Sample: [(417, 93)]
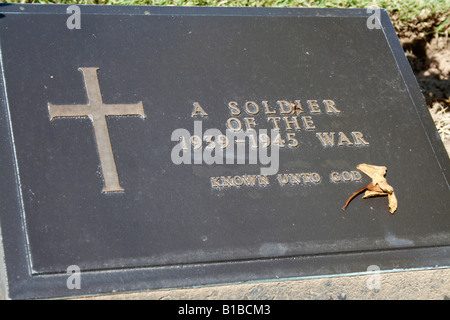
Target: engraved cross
[(97, 111)]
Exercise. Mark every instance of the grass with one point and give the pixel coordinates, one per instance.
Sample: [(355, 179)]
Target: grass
[(404, 10)]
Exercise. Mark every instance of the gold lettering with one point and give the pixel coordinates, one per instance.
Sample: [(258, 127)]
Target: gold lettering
[(291, 138), (308, 123), (279, 141), (262, 179), (335, 176), (326, 138), (227, 181), (282, 103), (314, 106), (266, 105), (249, 122), (306, 177), (298, 107), (234, 128), (295, 178), (330, 105), (289, 122), (356, 175), (283, 178), (343, 139), (198, 109), (234, 108), (275, 124), (238, 181), (215, 182), (315, 177), (346, 176), (255, 106), (249, 180), (358, 136)]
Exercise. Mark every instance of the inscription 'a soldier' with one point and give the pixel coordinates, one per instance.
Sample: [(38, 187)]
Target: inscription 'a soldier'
[(97, 111)]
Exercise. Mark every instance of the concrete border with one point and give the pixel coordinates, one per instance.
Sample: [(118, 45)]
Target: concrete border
[(433, 284)]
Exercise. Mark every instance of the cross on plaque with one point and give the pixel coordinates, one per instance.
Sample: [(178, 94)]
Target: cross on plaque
[(97, 111)]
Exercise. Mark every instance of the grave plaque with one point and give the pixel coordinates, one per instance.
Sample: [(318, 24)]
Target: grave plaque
[(157, 147)]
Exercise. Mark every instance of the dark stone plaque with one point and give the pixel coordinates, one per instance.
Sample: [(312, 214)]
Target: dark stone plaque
[(120, 171)]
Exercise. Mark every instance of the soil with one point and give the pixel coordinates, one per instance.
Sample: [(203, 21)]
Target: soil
[(429, 55)]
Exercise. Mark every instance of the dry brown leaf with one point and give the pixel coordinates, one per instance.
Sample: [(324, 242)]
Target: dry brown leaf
[(392, 202), (378, 186)]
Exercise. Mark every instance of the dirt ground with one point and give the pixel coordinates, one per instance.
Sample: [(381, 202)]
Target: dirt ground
[(429, 56)]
